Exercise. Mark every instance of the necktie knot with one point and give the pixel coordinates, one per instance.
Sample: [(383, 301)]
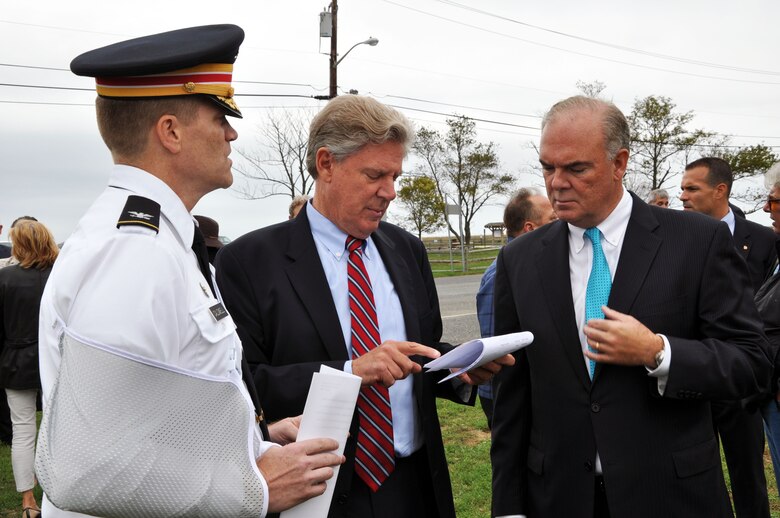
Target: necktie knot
[(594, 235), (354, 244)]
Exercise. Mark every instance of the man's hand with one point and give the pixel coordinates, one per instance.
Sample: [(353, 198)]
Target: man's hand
[(284, 431), (390, 362), (298, 471), (621, 339), (485, 373)]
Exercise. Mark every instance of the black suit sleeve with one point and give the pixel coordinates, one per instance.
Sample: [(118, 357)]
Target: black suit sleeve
[(282, 389), (511, 415), (733, 361)]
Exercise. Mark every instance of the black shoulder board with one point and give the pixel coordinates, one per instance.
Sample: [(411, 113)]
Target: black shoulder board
[(140, 211)]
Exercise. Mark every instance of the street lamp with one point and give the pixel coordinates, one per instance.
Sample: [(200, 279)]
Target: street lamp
[(329, 29), (369, 41), (334, 63)]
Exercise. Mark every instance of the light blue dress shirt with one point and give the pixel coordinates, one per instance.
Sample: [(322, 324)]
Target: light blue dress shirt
[(330, 242)]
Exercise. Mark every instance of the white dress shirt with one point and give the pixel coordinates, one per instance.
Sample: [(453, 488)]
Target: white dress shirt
[(729, 220), (137, 290), (330, 242)]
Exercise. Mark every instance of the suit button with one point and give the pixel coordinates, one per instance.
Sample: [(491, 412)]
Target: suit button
[(595, 407), (588, 466), (342, 499)]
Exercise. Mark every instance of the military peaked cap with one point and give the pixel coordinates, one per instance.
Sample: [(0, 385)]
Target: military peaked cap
[(192, 61)]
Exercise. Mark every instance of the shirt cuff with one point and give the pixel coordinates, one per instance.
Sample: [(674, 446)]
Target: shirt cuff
[(262, 448), (348, 367), (662, 371)]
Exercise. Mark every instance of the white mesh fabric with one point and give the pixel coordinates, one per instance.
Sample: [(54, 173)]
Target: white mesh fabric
[(121, 438)]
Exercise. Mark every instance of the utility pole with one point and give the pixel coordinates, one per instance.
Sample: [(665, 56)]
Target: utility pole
[(334, 53)]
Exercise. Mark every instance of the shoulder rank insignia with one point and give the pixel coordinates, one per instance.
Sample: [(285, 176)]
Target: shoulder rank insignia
[(140, 211)]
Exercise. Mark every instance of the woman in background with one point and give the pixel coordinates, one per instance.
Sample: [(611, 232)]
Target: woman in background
[(21, 287)]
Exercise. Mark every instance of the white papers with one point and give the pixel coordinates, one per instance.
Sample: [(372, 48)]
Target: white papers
[(328, 413), (478, 352)]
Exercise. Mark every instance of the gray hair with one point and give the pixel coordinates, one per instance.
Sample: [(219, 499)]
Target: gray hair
[(772, 176), (657, 193), (617, 135), (349, 122)]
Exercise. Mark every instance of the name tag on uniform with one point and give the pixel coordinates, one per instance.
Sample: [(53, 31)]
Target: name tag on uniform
[(218, 311)]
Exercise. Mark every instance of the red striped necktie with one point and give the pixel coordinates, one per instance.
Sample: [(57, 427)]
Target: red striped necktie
[(375, 457)]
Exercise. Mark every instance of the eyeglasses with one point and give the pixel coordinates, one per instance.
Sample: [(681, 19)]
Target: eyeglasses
[(772, 202)]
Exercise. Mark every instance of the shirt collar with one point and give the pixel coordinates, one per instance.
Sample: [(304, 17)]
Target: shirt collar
[(729, 220), (331, 236), (612, 228), (149, 186)]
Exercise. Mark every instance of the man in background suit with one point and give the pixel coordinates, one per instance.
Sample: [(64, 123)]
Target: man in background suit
[(527, 210), (706, 186), (290, 291), (607, 413)]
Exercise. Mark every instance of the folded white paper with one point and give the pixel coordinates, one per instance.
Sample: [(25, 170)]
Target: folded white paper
[(478, 352), (328, 413)]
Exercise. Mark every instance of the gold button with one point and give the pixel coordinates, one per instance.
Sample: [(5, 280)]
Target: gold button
[(189, 87)]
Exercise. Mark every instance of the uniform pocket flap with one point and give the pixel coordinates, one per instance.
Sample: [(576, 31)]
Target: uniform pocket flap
[(213, 324)]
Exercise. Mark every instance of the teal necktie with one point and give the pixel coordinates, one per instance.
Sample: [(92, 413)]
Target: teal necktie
[(599, 284)]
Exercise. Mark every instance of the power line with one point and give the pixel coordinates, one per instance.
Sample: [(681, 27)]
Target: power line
[(34, 67), (459, 106), (48, 87), (275, 95), (612, 45), (48, 103), (61, 28), (470, 118), (602, 58)]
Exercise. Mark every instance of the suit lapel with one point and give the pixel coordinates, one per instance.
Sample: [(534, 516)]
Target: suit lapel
[(741, 238), (552, 261), (640, 247), (307, 278)]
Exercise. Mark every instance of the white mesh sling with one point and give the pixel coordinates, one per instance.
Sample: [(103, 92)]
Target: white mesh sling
[(128, 438)]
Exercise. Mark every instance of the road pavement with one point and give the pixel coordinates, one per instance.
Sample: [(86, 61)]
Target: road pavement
[(457, 297)]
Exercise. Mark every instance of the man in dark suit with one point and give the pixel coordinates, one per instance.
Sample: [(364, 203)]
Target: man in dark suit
[(706, 186), (609, 415), (291, 290)]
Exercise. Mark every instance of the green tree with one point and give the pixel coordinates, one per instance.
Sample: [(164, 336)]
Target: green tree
[(423, 204), (660, 141), (463, 169), (748, 162)]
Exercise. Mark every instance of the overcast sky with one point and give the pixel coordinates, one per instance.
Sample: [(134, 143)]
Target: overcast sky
[(504, 62)]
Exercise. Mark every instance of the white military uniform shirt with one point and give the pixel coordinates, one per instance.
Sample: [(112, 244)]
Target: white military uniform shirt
[(137, 290)]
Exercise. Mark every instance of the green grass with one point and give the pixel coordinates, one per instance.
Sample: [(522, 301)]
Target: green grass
[(478, 259), (466, 439)]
